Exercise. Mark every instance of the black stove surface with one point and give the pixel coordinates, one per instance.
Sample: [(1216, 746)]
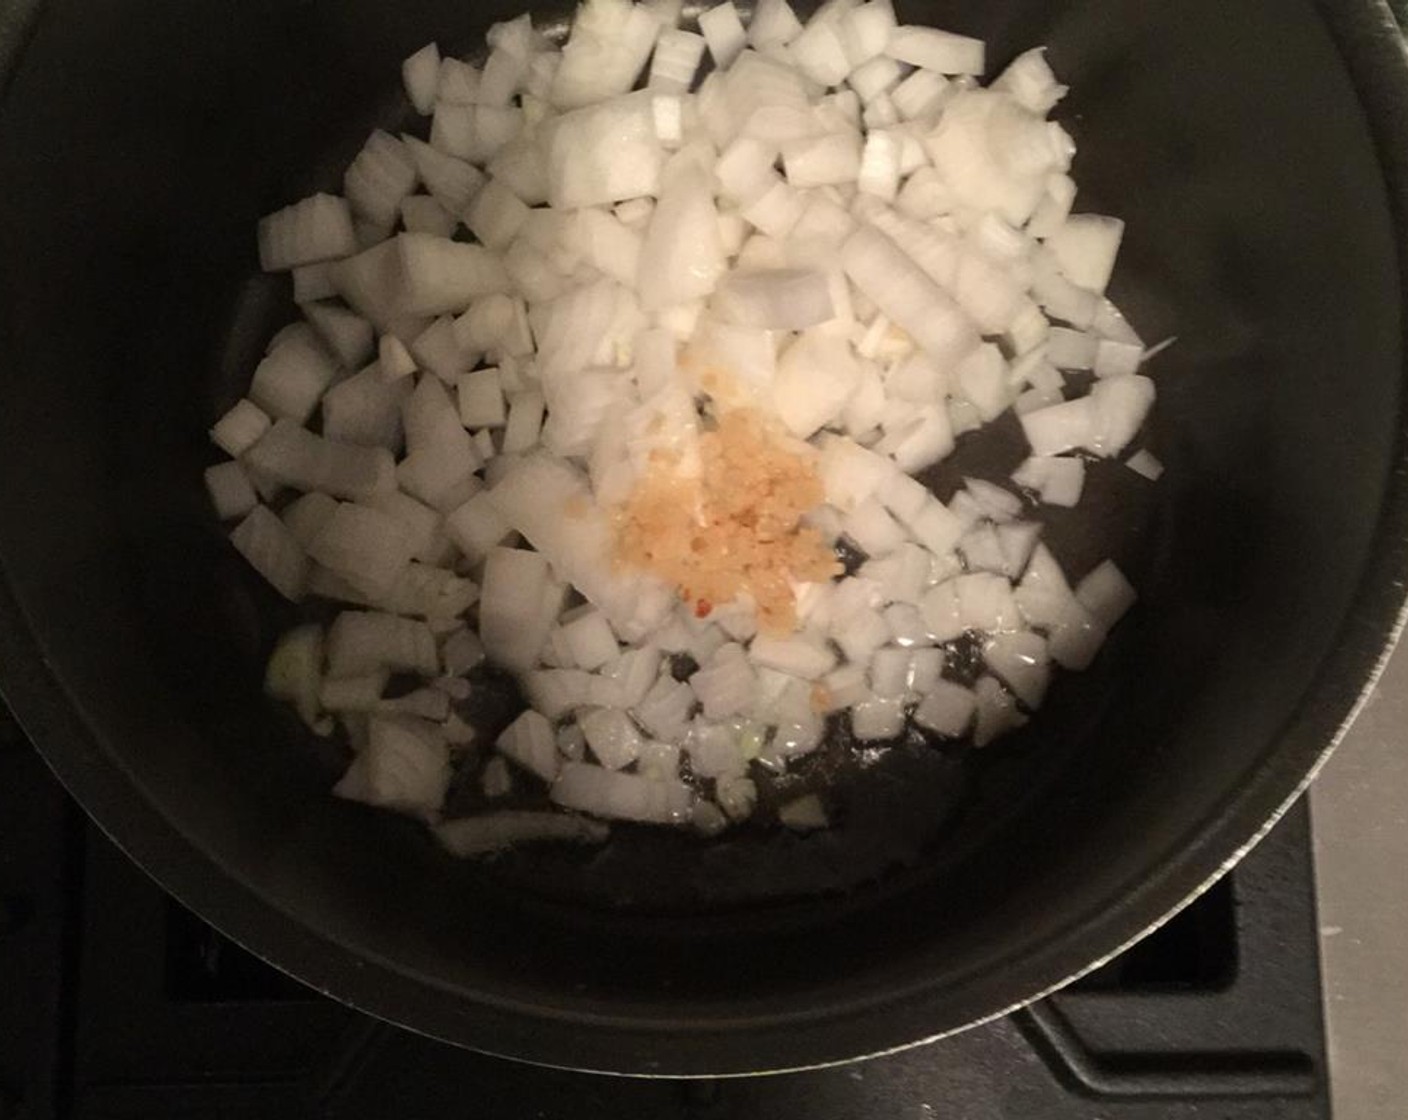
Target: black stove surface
[(117, 1003)]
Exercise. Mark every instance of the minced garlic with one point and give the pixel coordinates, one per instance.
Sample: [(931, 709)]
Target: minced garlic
[(735, 529)]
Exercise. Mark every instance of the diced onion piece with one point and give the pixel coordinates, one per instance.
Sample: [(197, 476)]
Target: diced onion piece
[(1115, 358), (451, 182), (613, 737), (425, 591), (1028, 78), (947, 709), (317, 229), (354, 694), (382, 174), (1119, 406), (404, 767), (1022, 663), (590, 640), (230, 491), (556, 692), (775, 299), (1106, 593), (463, 651), (365, 409), (682, 257), (821, 160), (264, 540), (997, 713), (481, 399), (676, 60), (291, 378), (879, 173), (1058, 481), (776, 211), (530, 742), (797, 656), (1146, 464), (805, 814), (240, 428), (603, 154), (476, 527), (605, 52), (525, 421), (815, 378), (420, 73), (995, 503), (820, 52), (935, 527), (363, 642), (295, 673), (774, 24), (496, 215), (1044, 597), (851, 473), (311, 282), (866, 31), (511, 619), (726, 685), (883, 271), (744, 169), (417, 275), (919, 95), (982, 378), (871, 527), (1085, 247), (458, 82), (932, 49), (1068, 349), (985, 602), (723, 31), (347, 335), (617, 795), (1061, 427)]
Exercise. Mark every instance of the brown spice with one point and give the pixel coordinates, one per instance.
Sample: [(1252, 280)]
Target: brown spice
[(735, 529)]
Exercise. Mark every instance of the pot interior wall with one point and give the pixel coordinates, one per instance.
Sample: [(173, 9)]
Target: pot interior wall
[(139, 142)]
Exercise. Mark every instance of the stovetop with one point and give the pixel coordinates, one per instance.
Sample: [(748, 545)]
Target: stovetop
[(117, 1003)]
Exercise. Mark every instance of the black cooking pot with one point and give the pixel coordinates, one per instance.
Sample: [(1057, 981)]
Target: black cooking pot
[(1256, 150)]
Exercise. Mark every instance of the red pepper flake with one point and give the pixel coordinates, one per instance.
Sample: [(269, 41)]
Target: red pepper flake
[(702, 608)]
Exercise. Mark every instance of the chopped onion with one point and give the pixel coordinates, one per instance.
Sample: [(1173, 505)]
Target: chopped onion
[(775, 299), (382, 174), (1144, 463), (932, 49), (421, 75), (904, 293), (511, 619), (1085, 247), (1021, 661), (317, 229), (839, 231), (404, 766), (947, 709), (622, 796), (723, 31), (529, 741), (1106, 594), (682, 254), (291, 378), (230, 491)]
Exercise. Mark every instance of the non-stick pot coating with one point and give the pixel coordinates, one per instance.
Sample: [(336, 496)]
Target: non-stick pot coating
[(139, 142)]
